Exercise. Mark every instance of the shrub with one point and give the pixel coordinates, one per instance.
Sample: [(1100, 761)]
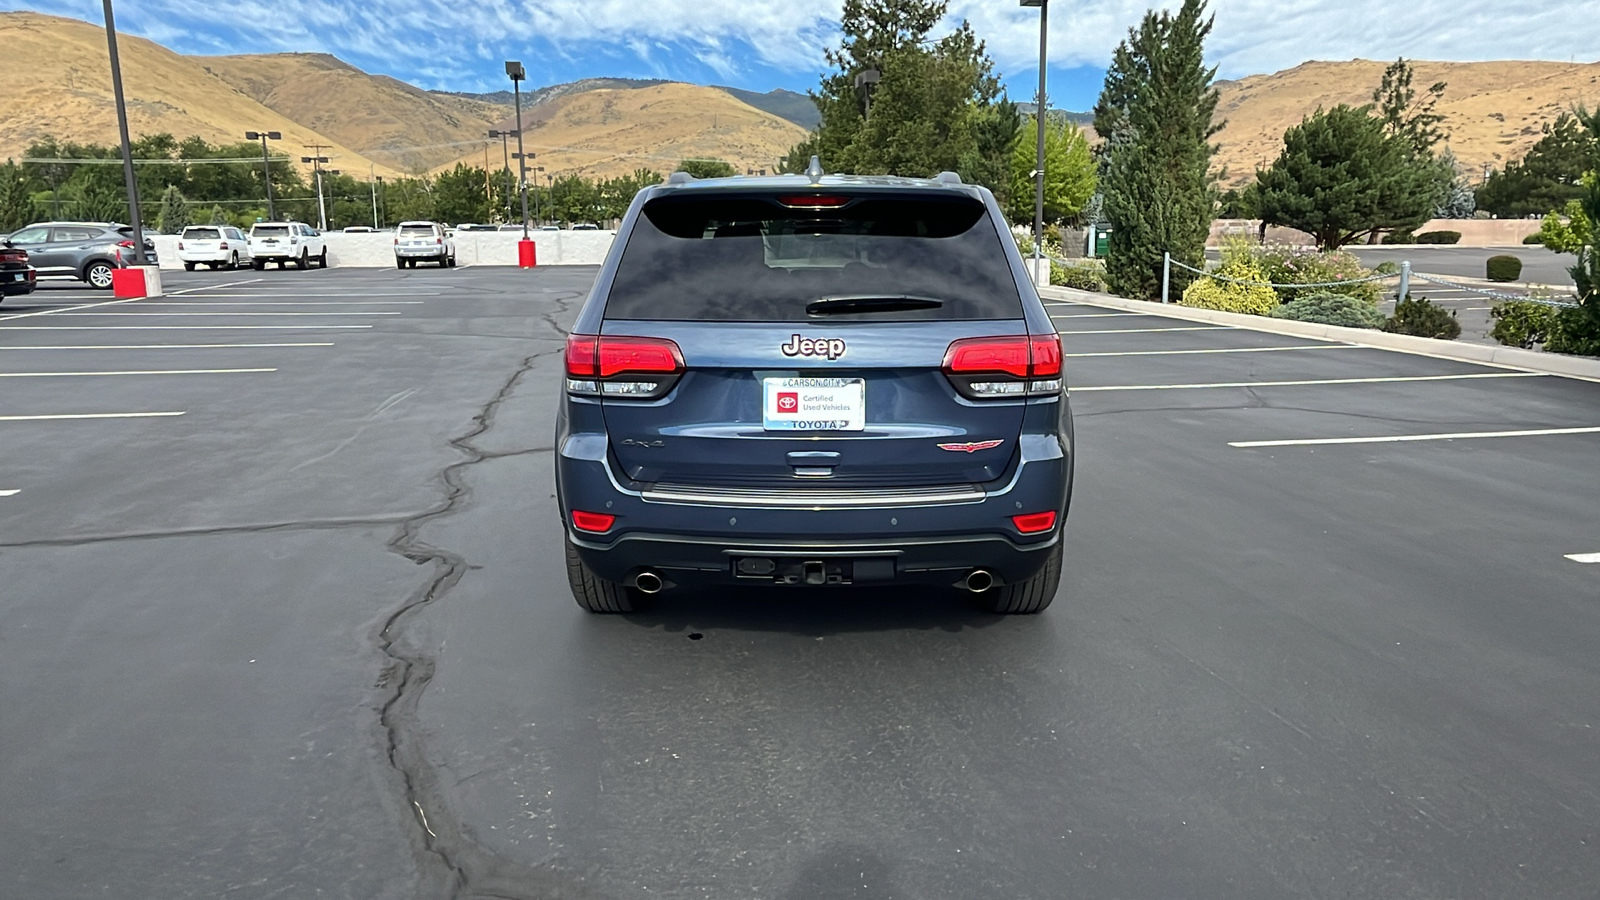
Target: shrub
[(1399, 237), (1503, 268), (1328, 308), (1574, 330), (1439, 237), (1084, 278), (1284, 264), (1422, 318), (1534, 238), (1387, 267), (1238, 261), (1522, 323)]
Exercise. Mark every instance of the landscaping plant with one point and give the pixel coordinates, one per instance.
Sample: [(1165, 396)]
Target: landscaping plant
[(1503, 268), (1422, 318), (1439, 237), (1238, 262), (1328, 308)]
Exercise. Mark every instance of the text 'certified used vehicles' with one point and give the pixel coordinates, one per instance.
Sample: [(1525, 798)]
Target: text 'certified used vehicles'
[(213, 246), (424, 242), (814, 381), (87, 251), (286, 242)]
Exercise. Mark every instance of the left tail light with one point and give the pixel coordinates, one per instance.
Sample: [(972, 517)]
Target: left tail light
[(621, 366), (1010, 366)]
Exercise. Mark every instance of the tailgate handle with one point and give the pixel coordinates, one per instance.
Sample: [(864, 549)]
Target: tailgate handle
[(813, 458)]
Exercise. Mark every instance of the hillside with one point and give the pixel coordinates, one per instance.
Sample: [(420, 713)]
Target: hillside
[(60, 85), (612, 132), (1493, 110), (382, 117)]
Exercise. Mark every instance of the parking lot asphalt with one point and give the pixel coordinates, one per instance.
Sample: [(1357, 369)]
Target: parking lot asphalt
[(288, 618)]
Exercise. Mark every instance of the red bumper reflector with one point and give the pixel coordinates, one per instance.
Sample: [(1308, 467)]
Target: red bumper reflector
[(598, 522), (1033, 523)]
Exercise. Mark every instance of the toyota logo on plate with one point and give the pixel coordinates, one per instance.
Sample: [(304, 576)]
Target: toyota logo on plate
[(788, 402)]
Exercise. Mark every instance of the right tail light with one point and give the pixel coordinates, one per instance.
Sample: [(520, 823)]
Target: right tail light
[(1005, 367)]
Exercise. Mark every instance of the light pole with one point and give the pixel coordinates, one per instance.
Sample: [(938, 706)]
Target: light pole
[(127, 146), (266, 165), (517, 74), (1039, 113), (505, 155), (384, 216), (537, 216), (316, 175)]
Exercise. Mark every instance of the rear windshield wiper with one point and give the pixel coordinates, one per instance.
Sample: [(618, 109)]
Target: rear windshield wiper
[(868, 303)]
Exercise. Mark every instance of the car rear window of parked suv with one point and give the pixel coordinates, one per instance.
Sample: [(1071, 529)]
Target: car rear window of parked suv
[(417, 230), (796, 256), (269, 230), (202, 234)]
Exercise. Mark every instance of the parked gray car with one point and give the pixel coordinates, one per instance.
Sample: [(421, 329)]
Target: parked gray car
[(87, 251)]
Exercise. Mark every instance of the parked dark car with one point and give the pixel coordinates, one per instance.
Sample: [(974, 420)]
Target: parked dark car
[(814, 381), (87, 251), (16, 275)]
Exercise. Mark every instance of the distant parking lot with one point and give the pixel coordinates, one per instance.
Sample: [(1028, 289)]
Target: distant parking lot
[(285, 609)]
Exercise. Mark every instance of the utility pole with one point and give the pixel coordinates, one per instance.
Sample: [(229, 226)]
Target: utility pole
[(517, 74), (1040, 108), (266, 165), (316, 174), (127, 146), (372, 182)]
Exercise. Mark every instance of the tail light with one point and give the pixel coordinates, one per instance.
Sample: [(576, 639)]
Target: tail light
[(13, 255), (592, 521), (180, 245), (439, 241), (128, 244), (621, 366), (1034, 523), (1011, 366)]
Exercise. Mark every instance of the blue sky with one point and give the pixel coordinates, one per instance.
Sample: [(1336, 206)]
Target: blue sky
[(764, 44)]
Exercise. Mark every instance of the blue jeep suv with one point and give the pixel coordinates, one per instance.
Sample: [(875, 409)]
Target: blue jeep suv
[(814, 380)]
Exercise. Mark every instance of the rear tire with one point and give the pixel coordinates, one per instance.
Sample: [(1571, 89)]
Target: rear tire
[(399, 264), (257, 264), (596, 594), (233, 262), (98, 275), (322, 259), (1030, 596), (304, 262), (188, 267), (280, 265)]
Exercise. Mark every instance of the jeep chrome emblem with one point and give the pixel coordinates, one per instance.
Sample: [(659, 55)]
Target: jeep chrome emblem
[(971, 446), (832, 348)]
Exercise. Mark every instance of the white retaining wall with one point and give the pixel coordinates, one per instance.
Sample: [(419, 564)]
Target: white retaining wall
[(473, 248)]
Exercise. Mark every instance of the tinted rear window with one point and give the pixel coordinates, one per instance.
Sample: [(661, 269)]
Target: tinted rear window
[(417, 230), (202, 233), (269, 230), (752, 258)]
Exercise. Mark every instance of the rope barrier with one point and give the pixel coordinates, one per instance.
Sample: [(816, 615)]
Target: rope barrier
[(1497, 295), (1316, 284)]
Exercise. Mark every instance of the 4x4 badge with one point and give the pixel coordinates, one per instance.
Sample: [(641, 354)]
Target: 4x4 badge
[(972, 446), (832, 348)]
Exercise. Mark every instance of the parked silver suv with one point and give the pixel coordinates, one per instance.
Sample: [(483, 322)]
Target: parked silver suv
[(87, 251)]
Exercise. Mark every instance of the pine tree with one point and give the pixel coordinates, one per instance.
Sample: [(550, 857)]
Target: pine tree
[(174, 212), (1155, 113)]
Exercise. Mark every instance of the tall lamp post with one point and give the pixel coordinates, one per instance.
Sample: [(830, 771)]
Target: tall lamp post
[(537, 216), (266, 164), (517, 74), (505, 154), (316, 175), (1040, 109), (523, 164), (384, 215), (127, 146)]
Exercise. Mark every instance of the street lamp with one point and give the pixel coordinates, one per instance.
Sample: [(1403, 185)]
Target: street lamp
[(383, 216), (517, 74), (537, 217), (127, 146), (867, 83), (266, 164), (1040, 107), (503, 135), (316, 175)]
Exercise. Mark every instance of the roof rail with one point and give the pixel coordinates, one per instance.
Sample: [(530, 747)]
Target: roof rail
[(680, 178), (947, 178)]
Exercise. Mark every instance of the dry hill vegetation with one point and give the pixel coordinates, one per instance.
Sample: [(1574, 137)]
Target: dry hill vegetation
[(612, 132), (1494, 111), (59, 83)]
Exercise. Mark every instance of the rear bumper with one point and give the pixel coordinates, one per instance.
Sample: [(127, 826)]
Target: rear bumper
[(210, 256), (433, 252), (11, 285)]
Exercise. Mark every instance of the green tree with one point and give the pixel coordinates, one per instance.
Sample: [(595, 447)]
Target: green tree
[(16, 198), (1069, 171), (459, 195), (936, 104), (1547, 177), (1340, 176), (219, 216), (1155, 113), (1405, 115), (707, 168), (174, 213)]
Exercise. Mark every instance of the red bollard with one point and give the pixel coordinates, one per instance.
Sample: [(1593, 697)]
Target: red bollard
[(527, 257)]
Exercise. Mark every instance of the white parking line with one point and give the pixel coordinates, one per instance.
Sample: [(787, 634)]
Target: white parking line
[(169, 346), (150, 314), (11, 493), (1406, 438), (177, 327), (1575, 557), (131, 372), (1152, 330), (65, 309), (212, 287), (132, 415), (1255, 384), (1219, 350)]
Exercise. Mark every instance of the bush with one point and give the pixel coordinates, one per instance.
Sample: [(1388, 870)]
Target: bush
[(1534, 238), (1522, 323), (1328, 308), (1293, 265), (1503, 268), (1238, 261), (1399, 237), (1387, 267), (1439, 237), (1084, 278), (1423, 319), (1574, 330)]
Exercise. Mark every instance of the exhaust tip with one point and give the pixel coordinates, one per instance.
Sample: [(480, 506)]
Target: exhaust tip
[(648, 582), (979, 580)]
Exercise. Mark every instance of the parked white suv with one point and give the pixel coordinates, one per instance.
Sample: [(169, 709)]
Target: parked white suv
[(430, 241), (286, 242), (213, 245)]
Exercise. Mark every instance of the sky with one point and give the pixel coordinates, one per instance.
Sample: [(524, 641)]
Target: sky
[(759, 45)]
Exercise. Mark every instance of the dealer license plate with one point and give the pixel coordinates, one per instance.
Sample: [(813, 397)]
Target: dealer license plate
[(814, 404)]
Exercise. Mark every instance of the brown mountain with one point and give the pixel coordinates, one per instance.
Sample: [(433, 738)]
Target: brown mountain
[(1493, 111)]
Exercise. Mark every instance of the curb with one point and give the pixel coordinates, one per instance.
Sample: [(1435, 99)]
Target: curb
[(1580, 367)]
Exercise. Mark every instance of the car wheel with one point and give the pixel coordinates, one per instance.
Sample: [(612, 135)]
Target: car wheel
[(98, 274), (233, 261), (322, 259), (1029, 596), (304, 262), (258, 264), (452, 260), (596, 594), (188, 267), (399, 264), (280, 265), (213, 266)]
